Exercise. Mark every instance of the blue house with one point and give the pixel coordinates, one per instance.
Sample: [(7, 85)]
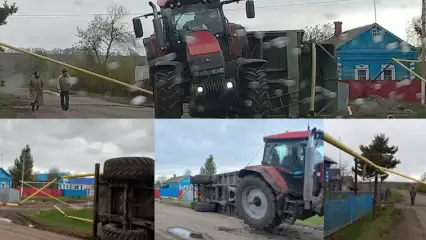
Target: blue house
[(175, 186), (5, 179), (362, 53)]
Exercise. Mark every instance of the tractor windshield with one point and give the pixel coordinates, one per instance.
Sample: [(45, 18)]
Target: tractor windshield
[(290, 154), (195, 17)]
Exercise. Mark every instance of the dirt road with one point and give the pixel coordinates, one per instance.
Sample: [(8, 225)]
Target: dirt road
[(80, 107), (411, 224), (221, 227), (18, 232)]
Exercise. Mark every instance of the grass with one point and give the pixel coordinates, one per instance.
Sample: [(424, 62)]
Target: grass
[(366, 227), (65, 199), (6, 101), (54, 219)]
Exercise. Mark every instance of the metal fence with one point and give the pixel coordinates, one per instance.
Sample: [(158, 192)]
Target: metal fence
[(344, 208), (9, 195)]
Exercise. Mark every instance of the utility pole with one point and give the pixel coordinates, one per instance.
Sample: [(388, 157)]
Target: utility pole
[(423, 55), (375, 11)]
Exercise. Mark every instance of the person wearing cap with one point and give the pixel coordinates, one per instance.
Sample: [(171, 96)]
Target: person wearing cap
[(35, 87), (64, 86)]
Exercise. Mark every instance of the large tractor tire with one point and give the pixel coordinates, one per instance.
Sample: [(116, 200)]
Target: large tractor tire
[(256, 203), (256, 93), (201, 179), (203, 207), (113, 232), (167, 94), (129, 168)]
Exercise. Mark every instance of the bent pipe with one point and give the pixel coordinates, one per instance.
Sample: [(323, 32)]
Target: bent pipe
[(75, 68)]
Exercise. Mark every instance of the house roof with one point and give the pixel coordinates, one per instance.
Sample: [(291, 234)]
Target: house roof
[(288, 135), (82, 181), (175, 179), (44, 177), (5, 172), (329, 160), (351, 34)]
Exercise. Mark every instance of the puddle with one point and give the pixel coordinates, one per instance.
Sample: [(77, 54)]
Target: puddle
[(186, 234), (5, 220)]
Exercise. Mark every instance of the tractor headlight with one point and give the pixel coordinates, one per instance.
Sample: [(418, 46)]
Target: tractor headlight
[(229, 85), (200, 89)]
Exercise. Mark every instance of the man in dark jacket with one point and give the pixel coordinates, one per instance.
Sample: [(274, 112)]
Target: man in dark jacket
[(413, 195)]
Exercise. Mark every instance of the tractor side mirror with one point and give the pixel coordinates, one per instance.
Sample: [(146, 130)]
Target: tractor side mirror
[(137, 27), (250, 12)]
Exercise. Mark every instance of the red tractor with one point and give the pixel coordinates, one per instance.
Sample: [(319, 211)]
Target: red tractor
[(197, 56), (287, 186)]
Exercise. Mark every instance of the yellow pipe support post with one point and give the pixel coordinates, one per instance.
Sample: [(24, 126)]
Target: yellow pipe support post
[(38, 191), (81, 219), (62, 212), (408, 69), (407, 60), (75, 68), (344, 148), (57, 199), (79, 175)]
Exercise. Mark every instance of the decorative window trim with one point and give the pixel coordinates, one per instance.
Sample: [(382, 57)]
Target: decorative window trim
[(362, 67), (390, 67)]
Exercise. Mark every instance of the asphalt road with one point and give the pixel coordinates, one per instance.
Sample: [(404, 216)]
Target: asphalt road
[(221, 227), (18, 232), (80, 107)]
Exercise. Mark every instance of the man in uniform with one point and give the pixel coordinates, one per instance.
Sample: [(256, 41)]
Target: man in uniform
[(64, 86), (35, 87)]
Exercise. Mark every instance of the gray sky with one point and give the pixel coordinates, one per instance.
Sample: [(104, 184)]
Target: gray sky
[(185, 144), (52, 24), (408, 135), (75, 145)]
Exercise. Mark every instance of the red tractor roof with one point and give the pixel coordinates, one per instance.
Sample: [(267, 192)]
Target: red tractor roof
[(288, 135)]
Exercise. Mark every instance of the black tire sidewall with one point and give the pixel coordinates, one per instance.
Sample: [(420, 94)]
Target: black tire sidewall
[(268, 220), (162, 108), (261, 107)]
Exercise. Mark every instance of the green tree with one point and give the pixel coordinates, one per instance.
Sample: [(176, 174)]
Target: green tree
[(160, 180), (187, 172), (380, 153), (53, 173), (16, 170), (7, 10), (209, 167)]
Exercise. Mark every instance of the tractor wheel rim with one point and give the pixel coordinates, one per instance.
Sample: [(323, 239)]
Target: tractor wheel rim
[(254, 202)]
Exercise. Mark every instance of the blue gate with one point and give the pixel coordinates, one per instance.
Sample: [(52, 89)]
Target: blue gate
[(345, 210)]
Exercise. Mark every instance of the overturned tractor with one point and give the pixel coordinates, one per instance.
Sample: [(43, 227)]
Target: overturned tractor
[(289, 185)]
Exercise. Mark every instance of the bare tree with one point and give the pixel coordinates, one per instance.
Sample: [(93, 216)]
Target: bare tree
[(414, 32), (318, 33), (53, 173), (103, 32)]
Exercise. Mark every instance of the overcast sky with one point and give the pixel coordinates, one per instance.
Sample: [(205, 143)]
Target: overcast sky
[(75, 145), (52, 23), (408, 135), (185, 144)]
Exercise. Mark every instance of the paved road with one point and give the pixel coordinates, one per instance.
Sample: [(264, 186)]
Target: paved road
[(80, 107), (18, 232), (221, 227)]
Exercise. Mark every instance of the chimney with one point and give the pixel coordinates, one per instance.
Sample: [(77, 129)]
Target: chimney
[(174, 175), (337, 29)]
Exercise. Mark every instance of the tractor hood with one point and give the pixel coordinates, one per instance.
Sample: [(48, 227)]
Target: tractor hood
[(201, 43)]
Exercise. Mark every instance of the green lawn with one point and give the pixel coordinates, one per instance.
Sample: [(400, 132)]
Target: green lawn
[(53, 218), (367, 228), (65, 199)]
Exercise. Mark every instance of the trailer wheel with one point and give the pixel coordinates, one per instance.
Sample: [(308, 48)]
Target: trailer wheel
[(193, 204), (256, 92), (167, 94), (203, 207), (256, 203), (129, 168), (201, 179), (113, 232)]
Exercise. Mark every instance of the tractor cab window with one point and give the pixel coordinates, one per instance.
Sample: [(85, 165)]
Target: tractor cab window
[(289, 155), (194, 17)]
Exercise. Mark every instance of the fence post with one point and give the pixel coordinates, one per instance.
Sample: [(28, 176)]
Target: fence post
[(356, 177), (351, 209), (376, 175)]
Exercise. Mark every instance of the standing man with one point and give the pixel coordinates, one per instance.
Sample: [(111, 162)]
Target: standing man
[(35, 87), (413, 195), (64, 86)]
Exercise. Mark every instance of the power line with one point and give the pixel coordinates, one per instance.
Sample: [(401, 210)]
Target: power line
[(305, 4)]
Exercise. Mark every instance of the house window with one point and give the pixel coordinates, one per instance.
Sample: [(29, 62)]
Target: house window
[(362, 72), (374, 32), (388, 73)]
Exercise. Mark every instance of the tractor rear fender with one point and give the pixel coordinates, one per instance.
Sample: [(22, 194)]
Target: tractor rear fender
[(271, 176), (158, 64)]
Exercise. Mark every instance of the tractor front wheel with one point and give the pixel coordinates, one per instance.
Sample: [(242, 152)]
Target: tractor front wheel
[(256, 203), (255, 92), (167, 93)]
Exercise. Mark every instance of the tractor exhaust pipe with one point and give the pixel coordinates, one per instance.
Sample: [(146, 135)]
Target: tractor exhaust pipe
[(158, 29), (309, 170)]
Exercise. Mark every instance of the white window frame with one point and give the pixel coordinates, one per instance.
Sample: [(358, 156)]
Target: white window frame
[(375, 31), (390, 67), (362, 67)]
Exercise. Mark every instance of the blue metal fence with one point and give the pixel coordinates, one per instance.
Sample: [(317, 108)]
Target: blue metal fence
[(343, 209)]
